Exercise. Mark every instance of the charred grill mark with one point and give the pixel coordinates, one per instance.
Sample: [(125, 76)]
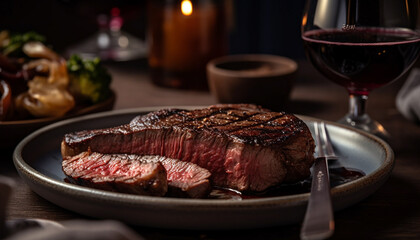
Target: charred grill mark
[(263, 124), (226, 112), (196, 116), (228, 115), (250, 126)]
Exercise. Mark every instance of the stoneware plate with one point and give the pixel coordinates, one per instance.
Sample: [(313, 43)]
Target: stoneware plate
[(38, 160), (12, 132)]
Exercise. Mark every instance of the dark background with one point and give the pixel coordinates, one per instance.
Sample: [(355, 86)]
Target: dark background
[(259, 26)]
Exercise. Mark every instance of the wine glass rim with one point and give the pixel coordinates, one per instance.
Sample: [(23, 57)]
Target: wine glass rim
[(415, 36)]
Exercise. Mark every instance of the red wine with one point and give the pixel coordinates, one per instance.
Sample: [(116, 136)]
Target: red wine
[(362, 59)]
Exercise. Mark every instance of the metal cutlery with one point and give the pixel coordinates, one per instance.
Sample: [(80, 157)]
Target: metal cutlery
[(319, 218)]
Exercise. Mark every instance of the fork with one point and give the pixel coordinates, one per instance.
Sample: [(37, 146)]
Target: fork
[(319, 218), (328, 148)]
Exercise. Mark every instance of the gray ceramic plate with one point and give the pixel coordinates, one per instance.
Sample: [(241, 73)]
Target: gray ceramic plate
[(38, 161)]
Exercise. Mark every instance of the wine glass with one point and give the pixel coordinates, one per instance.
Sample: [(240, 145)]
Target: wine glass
[(361, 45), (110, 42)]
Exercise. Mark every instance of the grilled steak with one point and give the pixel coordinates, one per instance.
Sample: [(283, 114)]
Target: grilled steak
[(243, 146), (116, 172)]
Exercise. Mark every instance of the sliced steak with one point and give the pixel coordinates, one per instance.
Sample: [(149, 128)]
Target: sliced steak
[(116, 172), (132, 173), (243, 146), (185, 179)]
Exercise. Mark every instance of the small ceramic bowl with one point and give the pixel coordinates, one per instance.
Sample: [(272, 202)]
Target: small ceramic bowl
[(266, 80), (12, 132)]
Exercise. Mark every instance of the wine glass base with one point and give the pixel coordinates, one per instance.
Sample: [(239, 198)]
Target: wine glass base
[(110, 46), (368, 125)]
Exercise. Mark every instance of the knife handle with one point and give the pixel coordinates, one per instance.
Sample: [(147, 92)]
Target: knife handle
[(319, 217)]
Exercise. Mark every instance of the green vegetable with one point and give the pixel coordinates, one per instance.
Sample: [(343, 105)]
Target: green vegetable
[(88, 79), (14, 46)]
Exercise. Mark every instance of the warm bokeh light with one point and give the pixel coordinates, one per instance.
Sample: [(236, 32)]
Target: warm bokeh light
[(304, 19), (407, 8), (186, 7)]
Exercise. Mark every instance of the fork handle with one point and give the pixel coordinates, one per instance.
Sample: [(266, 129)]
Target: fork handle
[(319, 218)]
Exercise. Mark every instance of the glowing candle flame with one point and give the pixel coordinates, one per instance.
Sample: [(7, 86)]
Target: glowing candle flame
[(304, 19), (186, 7)]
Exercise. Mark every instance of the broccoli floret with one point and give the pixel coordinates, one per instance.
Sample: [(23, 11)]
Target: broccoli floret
[(88, 79), (14, 46)]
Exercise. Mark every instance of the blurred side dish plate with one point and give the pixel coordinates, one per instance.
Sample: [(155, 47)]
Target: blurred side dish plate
[(38, 86)]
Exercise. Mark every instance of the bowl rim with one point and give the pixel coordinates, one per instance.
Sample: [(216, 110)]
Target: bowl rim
[(291, 65)]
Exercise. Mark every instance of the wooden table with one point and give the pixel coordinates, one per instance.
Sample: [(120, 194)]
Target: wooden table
[(393, 212)]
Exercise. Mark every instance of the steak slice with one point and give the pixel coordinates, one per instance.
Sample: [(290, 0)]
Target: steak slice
[(132, 173), (185, 179), (116, 172), (243, 146)]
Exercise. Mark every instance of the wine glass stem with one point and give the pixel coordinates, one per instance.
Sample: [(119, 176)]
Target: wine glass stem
[(357, 116), (357, 106)]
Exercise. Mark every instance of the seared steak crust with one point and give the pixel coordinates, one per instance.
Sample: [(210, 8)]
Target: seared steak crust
[(243, 146)]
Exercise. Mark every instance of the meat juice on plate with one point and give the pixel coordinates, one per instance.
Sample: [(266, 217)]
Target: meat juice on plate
[(338, 176), (362, 59)]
